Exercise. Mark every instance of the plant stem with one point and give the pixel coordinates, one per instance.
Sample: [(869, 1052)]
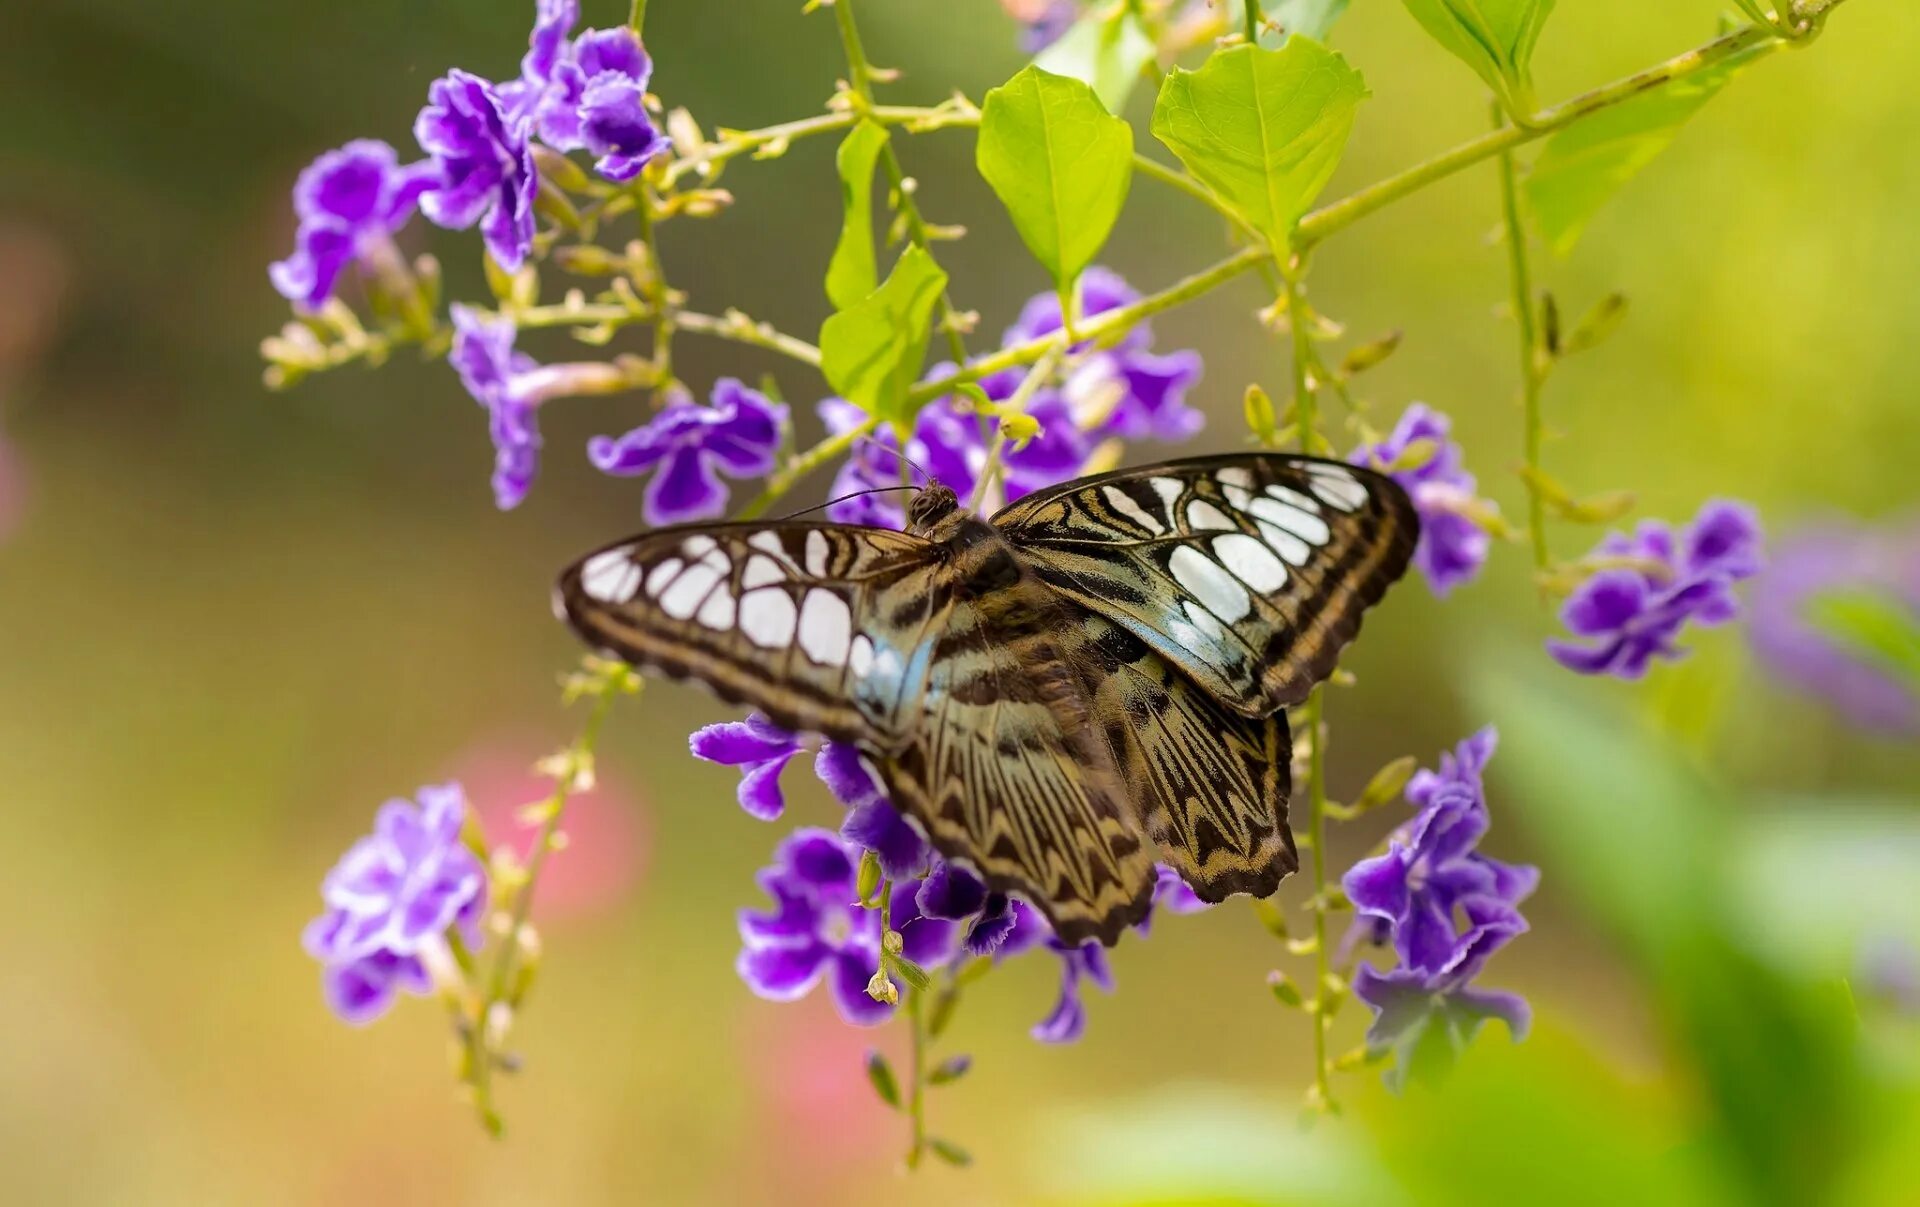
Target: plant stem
[(802, 465), (1306, 411), (1253, 21), (637, 18), (1748, 42), (659, 296), (917, 1078), (733, 325), (480, 1052), (1317, 844), (860, 79), (1520, 276)]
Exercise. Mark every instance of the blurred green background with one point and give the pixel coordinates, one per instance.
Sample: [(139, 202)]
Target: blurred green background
[(233, 622)]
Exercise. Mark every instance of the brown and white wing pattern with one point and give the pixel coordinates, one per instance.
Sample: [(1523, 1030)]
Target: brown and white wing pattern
[(1211, 783), (1248, 573), (1008, 773), (826, 628)]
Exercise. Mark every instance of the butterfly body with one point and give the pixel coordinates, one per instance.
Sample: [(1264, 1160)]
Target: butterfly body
[(1091, 681)]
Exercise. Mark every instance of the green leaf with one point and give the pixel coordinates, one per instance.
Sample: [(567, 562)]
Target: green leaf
[(1494, 37), (1262, 128), (871, 351), (1108, 53), (1059, 163), (1583, 165), (851, 274), (880, 1076)]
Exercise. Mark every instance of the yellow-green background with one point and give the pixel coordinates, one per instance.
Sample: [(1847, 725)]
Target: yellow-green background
[(233, 622)]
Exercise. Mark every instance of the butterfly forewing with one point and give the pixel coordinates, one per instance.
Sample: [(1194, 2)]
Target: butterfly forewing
[(823, 627), (1248, 573)]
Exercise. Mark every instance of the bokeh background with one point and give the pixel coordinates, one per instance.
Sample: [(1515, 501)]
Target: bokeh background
[(232, 622)]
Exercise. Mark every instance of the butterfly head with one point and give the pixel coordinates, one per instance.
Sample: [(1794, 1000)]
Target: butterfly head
[(932, 506)]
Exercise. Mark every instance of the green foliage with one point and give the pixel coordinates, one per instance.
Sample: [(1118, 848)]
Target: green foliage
[(1583, 165), (1107, 52), (851, 274), (1262, 128), (871, 351), (1494, 37), (1644, 842), (1059, 163)]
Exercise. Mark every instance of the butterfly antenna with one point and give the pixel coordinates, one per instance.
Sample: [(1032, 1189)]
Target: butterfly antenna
[(874, 490), (891, 450)]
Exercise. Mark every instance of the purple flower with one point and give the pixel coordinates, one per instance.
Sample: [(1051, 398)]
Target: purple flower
[(1445, 908), (761, 749), (738, 434), (350, 202), (590, 93), (952, 443), (1125, 391), (1452, 547), (1045, 21), (1426, 1017), (1652, 584), (391, 900), (1837, 560), (816, 930), (873, 463), (486, 171), (1018, 927)]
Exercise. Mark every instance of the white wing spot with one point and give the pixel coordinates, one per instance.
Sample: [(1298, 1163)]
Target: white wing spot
[(1124, 503), (1208, 583), (767, 617), (657, 578), (1169, 490), (1202, 514), (686, 593), (1338, 487), (1203, 620), (1292, 497), (860, 661), (1239, 496), (1293, 550), (819, 553), (717, 612), (826, 627), (1250, 561), (697, 547), (769, 542), (1309, 528), (760, 572), (610, 577), (1235, 475)]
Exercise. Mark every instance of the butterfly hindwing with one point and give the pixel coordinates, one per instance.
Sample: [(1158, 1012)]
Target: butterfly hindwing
[(1009, 773), (823, 627), (1248, 572), (1212, 784)]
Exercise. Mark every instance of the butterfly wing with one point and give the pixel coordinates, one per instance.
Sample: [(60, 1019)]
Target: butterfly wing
[(1212, 784), (1248, 573), (1009, 774), (826, 628), (862, 634)]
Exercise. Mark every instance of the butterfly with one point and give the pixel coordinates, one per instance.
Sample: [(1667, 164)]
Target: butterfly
[(1092, 681)]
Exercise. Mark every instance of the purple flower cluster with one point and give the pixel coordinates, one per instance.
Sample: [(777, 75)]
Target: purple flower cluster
[(392, 899), (1446, 908), (1452, 546), (588, 93), (1043, 22), (1127, 391), (815, 928), (1842, 562), (1652, 584), (686, 447)]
